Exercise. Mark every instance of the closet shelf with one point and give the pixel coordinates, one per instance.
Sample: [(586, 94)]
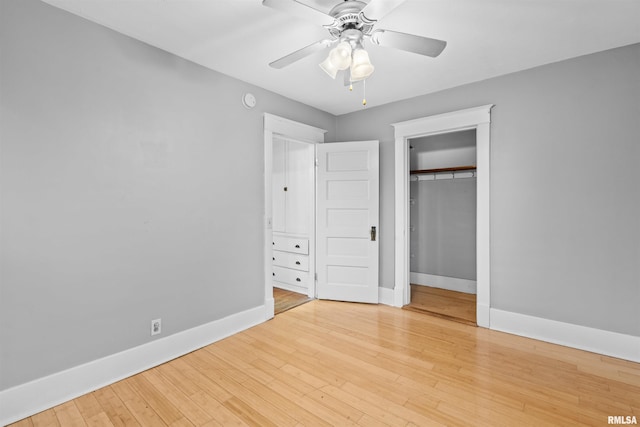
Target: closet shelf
[(452, 169)]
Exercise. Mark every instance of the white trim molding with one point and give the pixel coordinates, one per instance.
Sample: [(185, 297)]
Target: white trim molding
[(478, 118), (443, 282), (581, 337), (30, 398), (385, 296), (282, 126)]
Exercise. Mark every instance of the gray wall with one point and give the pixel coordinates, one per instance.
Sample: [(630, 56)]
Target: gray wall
[(132, 189), (443, 228), (565, 199)]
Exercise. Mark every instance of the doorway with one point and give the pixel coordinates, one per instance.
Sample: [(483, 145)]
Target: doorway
[(442, 233), (478, 118), (336, 255), (278, 127)]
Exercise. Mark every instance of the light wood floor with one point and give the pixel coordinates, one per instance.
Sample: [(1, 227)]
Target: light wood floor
[(451, 305), (285, 300), (332, 363)]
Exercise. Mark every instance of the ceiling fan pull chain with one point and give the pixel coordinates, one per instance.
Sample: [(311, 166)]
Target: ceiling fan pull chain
[(364, 93)]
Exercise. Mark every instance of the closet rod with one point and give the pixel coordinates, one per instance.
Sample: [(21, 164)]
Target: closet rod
[(438, 170), (442, 176)]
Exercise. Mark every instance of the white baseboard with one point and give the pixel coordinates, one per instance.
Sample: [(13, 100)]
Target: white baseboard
[(269, 308), (483, 313), (582, 337), (443, 282), (386, 296), (30, 398)]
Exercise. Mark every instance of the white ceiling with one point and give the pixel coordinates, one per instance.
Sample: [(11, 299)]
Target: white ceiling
[(486, 38)]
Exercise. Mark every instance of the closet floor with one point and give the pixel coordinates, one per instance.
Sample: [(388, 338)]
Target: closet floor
[(286, 300), (451, 305)]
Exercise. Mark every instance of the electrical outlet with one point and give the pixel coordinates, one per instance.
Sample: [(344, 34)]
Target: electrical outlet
[(156, 326)]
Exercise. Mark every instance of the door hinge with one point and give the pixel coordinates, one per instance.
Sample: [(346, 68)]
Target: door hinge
[(317, 162)]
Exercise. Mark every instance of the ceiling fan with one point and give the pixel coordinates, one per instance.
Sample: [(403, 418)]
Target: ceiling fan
[(350, 23)]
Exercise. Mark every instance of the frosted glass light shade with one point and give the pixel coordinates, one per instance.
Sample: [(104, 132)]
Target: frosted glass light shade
[(340, 56), (361, 66), (329, 68)]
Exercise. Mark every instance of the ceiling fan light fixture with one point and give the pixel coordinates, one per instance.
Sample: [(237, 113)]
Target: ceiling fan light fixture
[(328, 67), (340, 56), (361, 66)]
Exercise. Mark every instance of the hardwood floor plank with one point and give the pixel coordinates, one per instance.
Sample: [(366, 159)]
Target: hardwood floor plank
[(244, 411), (155, 398), (286, 405), (88, 405), (334, 363), (286, 300), (68, 414), (27, 422), (182, 422), (340, 408), (143, 413), (452, 305), (46, 418), (114, 408), (220, 415), (100, 419), (190, 410), (367, 408), (388, 404), (194, 370)]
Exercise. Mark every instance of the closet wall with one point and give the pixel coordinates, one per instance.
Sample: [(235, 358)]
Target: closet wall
[(443, 212), (293, 214)]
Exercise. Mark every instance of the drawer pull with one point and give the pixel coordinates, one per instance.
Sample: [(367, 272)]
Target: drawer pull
[(274, 258), (298, 279), (297, 246), (297, 262), (273, 274)]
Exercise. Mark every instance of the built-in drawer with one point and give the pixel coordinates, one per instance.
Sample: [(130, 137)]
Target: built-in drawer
[(291, 244), (291, 277), (291, 260)]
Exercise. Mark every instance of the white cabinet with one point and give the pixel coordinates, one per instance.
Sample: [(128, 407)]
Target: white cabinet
[(291, 263), (292, 186), (298, 245)]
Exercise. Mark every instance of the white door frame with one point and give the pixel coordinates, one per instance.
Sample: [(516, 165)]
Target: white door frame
[(303, 133), (478, 118)]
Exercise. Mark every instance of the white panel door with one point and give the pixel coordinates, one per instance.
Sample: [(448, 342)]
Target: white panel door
[(347, 221)]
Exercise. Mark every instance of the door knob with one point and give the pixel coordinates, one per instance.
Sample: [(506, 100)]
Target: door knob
[(373, 233)]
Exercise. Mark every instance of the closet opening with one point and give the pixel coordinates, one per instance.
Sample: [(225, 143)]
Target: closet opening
[(442, 225), (293, 220), (478, 118)]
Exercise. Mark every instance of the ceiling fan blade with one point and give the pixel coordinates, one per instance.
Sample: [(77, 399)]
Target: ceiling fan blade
[(300, 10), (299, 54), (376, 9), (409, 42)]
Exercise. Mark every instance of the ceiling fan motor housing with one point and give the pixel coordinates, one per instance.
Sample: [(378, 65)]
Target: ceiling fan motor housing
[(348, 16)]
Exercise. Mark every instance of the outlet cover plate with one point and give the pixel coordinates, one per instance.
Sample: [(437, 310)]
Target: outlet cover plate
[(156, 326)]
